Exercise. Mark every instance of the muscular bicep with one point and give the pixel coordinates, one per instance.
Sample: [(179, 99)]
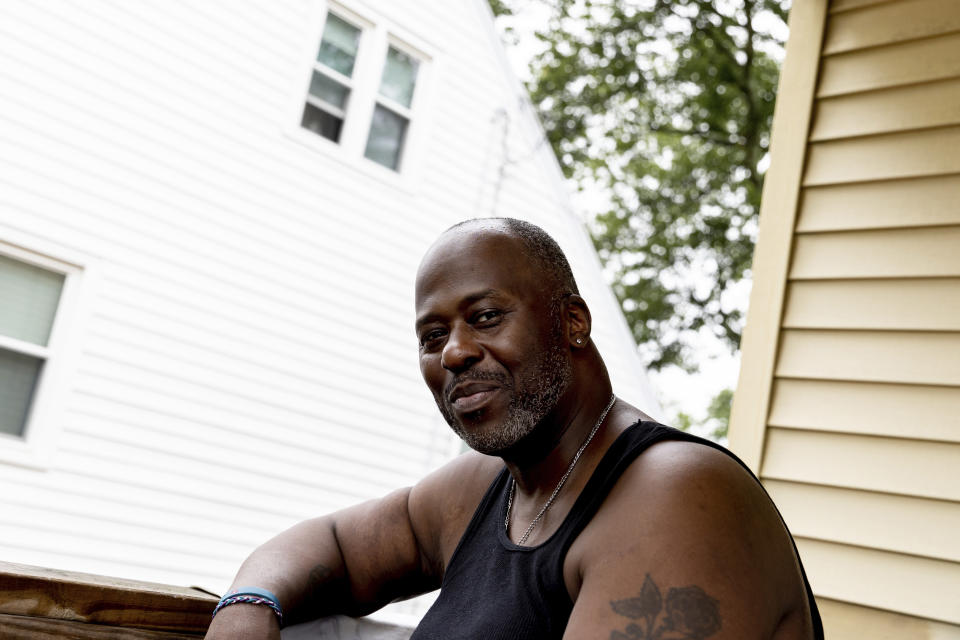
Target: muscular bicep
[(398, 546), (380, 554), (686, 546)]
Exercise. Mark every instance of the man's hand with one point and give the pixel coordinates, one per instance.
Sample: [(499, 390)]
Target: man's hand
[(244, 622)]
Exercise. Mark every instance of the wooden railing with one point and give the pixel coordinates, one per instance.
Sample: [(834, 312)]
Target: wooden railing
[(46, 604)]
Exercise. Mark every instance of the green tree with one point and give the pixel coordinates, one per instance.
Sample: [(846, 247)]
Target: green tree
[(718, 414), (664, 107)]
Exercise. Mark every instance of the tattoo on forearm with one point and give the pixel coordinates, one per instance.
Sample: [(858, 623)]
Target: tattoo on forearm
[(687, 614)]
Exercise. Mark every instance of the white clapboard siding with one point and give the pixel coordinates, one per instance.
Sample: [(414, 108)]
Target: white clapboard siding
[(246, 356), (854, 354)]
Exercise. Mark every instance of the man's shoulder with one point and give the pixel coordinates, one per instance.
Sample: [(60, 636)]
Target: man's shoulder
[(442, 504), (686, 517), (683, 496), (674, 475)]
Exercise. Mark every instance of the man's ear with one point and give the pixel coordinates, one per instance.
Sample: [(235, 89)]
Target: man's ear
[(578, 319)]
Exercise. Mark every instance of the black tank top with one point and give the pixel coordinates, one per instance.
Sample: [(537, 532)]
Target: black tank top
[(496, 590)]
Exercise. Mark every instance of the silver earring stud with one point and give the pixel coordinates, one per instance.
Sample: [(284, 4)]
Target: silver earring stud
[(579, 340)]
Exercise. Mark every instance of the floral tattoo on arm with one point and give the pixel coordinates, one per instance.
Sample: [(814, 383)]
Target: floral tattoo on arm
[(687, 613)]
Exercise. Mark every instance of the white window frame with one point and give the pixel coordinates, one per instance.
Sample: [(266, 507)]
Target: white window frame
[(42, 428), (377, 34)]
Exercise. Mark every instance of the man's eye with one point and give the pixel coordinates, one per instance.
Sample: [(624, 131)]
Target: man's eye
[(431, 337), (487, 317)]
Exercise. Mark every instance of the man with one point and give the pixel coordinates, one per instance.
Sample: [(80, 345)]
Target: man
[(575, 517)]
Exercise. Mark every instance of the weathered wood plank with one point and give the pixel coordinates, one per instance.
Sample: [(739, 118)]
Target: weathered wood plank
[(80, 597), (26, 628)]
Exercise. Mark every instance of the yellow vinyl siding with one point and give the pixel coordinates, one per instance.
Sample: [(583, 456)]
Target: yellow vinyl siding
[(868, 519), (871, 356), (900, 64), (847, 620), (875, 205), (927, 412), (904, 253), (849, 399), (890, 23), (934, 104), (921, 468), (909, 584), (838, 6), (888, 157), (924, 304)]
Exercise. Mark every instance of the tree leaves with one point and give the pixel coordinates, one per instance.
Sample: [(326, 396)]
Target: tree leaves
[(664, 107)]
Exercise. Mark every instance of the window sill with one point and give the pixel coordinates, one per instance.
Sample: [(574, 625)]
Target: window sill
[(403, 180)]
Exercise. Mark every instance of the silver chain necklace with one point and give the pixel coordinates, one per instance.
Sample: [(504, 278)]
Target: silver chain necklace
[(573, 463)]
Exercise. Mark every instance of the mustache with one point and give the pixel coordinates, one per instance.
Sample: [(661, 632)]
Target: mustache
[(477, 376)]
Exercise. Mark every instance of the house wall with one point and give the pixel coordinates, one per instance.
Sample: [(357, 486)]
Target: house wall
[(850, 389), (247, 358)]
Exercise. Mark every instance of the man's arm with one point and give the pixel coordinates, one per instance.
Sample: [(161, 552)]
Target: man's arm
[(359, 559), (351, 562), (687, 545)]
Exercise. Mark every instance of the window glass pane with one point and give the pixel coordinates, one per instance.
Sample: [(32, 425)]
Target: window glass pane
[(339, 45), (399, 76), (18, 378), (386, 137), (28, 300), (321, 122), (329, 90)]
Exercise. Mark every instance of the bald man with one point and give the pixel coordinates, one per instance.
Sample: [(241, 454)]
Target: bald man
[(575, 515)]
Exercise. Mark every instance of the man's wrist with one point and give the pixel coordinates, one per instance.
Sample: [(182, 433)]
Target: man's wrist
[(262, 598)]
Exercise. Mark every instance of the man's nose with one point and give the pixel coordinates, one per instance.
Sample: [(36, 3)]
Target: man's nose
[(461, 351)]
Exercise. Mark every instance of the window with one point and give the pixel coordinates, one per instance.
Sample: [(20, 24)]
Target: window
[(43, 307), (30, 296), (362, 89), (391, 114), (331, 82)]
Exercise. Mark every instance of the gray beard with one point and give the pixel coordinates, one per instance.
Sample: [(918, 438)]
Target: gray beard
[(537, 396)]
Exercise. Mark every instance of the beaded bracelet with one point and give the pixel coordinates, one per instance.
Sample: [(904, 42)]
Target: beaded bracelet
[(251, 595)]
